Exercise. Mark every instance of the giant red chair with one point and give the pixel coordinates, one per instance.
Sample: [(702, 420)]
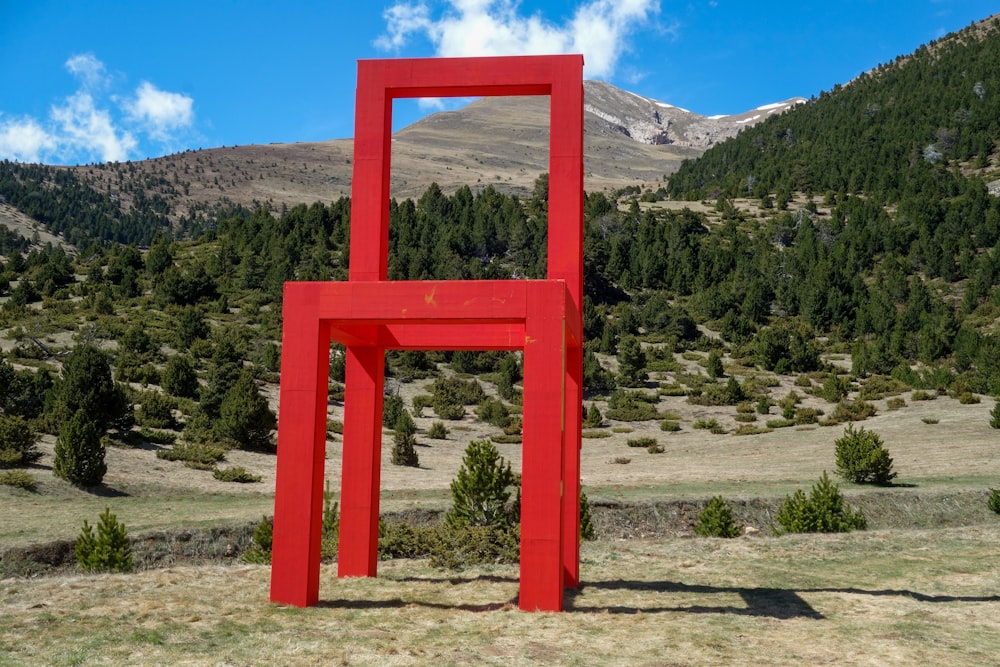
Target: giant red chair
[(370, 314)]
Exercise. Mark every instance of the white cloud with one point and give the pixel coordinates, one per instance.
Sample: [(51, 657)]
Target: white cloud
[(431, 103), (88, 69), (599, 29), (24, 140), (96, 123), (81, 126), (160, 111)]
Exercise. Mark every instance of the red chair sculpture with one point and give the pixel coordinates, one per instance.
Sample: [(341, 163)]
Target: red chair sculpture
[(370, 314)]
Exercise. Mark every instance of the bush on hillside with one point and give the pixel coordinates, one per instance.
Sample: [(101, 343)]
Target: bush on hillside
[(107, 551), (716, 520), (17, 442), (822, 511)]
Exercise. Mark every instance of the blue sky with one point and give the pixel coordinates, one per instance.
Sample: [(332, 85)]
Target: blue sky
[(111, 80)]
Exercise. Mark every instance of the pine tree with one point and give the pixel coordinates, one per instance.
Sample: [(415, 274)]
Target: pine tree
[(245, 416), (594, 418), (87, 385), (631, 362), (404, 451), (109, 550), (179, 377), (586, 524), (481, 491), (79, 452), (995, 415), (861, 457), (714, 365), (17, 442), (716, 520)]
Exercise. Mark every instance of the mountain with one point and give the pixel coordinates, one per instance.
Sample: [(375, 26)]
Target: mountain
[(885, 133), (503, 141)]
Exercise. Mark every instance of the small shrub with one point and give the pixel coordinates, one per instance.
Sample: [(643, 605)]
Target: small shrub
[(331, 514), (807, 415), (930, 420), (107, 551), (750, 429), (780, 423), (716, 520), (504, 439), (235, 474), (640, 442), (631, 406), (763, 406), (994, 500), (823, 511), (995, 415), (672, 389), (457, 391), (392, 408), (968, 398), (437, 431), (730, 393), (586, 525), (461, 545), (622, 429), (835, 388), (655, 448), (493, 411), (421, 401), (263, 535), (17, 478), (335, 426), (17, 442), (596, 434), (155, 437), (593, 417), (398, 539), (853, 411), (449, 411), (707, 424), (862, 458), (156, 410), (802, 380), (713, 366), (746, 417), (196, 453), (921, 395), (669, 425), (621, 460), (880, 386), (895, 403)]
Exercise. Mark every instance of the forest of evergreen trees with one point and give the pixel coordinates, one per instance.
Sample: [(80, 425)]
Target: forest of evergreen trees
[(878, 237)]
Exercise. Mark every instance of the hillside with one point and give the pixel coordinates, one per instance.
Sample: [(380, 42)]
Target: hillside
[(501, 142), (882, 134)]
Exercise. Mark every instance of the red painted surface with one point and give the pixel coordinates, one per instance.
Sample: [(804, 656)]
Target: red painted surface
[(370, 314)]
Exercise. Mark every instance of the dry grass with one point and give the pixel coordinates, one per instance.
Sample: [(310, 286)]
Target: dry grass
[(957, 452), (901, 598), (889, 596)]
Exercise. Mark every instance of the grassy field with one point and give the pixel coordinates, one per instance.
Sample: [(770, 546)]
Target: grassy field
[(921, 587), (869, 598)]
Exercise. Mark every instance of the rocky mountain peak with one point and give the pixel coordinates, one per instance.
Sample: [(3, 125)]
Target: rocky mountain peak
[(653, 122)]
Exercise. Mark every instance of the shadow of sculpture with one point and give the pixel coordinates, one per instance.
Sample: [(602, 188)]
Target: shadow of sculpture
[(652, 597)]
